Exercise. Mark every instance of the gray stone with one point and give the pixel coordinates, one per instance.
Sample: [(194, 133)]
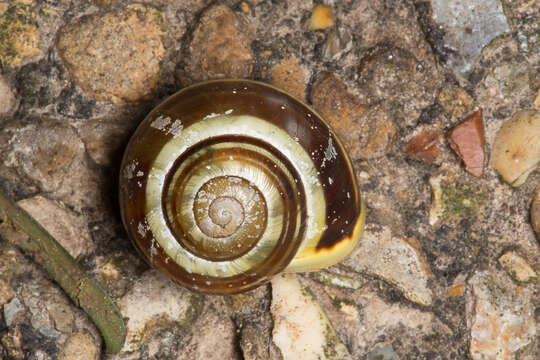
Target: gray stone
[(11, 310), (468, 27)]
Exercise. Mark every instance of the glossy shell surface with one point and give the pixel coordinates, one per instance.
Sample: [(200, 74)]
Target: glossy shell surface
[(227, 183)]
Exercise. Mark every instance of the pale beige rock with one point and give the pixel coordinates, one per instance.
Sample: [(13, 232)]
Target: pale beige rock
[(397, 260), (500, 315), (116, 56), (301, 329), (517, 267), (516, 151), (79, 346), (68, 228), (154, 299)]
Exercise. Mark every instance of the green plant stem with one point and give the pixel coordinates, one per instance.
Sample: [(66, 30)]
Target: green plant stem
[(62, 268)]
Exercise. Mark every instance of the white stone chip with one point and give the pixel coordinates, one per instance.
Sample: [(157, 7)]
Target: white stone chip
[(301, 329)]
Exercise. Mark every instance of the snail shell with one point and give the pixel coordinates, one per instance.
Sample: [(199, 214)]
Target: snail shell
[(227, 183)]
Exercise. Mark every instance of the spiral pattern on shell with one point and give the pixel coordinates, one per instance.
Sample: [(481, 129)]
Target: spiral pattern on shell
[(228, 183)]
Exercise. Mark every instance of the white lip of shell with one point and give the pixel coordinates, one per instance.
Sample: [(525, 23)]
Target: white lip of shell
[(230, 125)]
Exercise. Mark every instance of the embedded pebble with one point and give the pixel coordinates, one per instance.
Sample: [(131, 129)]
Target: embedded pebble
[(423, 146), (468, 141), (501, 317), (56, 163), (68, 228), (116, 56), (504, 82), (171, 304), (367, 132), (301, 329), (455, 100), (397, 260), (214, 338), (516, 151), (11, 310), (321, 17), (290, 76), (402, 82), (79, 346), (468, 26), (220, 47), (47, 162), (517, 267), (19, 36)]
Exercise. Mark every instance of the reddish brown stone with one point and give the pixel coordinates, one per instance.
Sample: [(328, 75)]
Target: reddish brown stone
[(289, 76), (468, 141), (423, 146), (220, 48)]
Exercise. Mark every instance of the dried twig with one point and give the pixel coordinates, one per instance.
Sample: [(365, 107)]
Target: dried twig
[(62, 268)]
